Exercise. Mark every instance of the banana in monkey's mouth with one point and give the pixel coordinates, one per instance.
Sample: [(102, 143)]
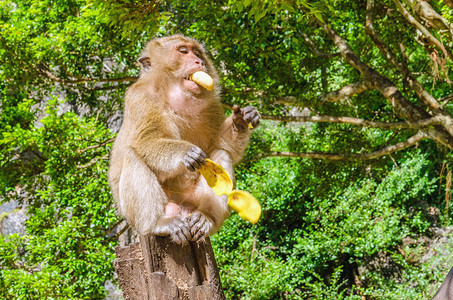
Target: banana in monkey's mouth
[(202, 79)]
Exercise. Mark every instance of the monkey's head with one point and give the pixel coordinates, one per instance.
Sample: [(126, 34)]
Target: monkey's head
[(173, 59)]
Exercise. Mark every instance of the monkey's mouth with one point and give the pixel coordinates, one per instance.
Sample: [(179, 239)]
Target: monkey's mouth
[(192, 85)]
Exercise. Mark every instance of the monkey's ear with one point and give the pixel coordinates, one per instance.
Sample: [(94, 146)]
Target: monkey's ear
[(145, 61)]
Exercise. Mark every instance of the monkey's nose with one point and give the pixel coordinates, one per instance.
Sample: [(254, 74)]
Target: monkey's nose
[(199, 62)]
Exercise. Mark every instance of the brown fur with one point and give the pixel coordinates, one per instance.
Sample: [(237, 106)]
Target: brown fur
[(164, 118)]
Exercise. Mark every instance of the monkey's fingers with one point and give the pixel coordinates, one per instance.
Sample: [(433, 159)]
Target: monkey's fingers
[(203, 79), (179, 238), (193, 219), (254, 122), (199, 236), (194, 158), (196, 153), (200, 230), (252, 117), (189, 165), (239, 124), (181, 233), (192, 164), (186, 232), (200, 225), (197, 232)]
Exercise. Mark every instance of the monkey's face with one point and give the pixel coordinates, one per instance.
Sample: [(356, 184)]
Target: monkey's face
[(190, 59), (175, 59)]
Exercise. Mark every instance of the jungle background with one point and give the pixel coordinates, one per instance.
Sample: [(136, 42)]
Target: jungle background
[(352, 163)]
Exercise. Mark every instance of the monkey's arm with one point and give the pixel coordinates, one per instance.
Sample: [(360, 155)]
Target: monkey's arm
[(235, 131), (168, 157), (154, 137)]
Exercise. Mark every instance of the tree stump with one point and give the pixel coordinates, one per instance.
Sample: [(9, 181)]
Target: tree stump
[(156, 268)]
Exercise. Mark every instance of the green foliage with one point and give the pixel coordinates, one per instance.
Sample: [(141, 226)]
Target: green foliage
[(66, 251), (65, 68), (130, 18), (303, 237)]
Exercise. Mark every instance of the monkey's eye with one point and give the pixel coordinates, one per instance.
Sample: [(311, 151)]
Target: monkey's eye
[(197, 53), (183, 49)]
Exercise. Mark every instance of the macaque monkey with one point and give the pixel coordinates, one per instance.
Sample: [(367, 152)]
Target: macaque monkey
[(171, 125)]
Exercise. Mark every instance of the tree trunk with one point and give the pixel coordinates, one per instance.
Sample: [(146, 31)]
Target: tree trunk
[(156, 268), (445, 291)]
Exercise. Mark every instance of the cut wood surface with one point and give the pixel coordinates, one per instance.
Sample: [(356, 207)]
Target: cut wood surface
[(156, 268)]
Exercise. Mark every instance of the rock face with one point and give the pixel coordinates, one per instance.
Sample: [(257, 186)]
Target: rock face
[(12, 221), (435, 249), (114, 122), (439, 249), (113, 290), (12, 218)]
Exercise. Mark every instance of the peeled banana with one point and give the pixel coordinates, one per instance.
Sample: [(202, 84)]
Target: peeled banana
[(203, 79), (247, 207), (216, 177)]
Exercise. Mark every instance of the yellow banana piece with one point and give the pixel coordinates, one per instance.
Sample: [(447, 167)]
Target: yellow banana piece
[(246, 205), (216, 177), (203, 79)]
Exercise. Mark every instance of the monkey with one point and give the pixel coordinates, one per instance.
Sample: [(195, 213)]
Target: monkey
[(171, 125)]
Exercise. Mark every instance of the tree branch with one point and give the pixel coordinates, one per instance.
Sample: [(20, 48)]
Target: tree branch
[(93, 161), (426, 97), (388, 89), (437, 120), (334, 96), (426, 12), (43, 70), (96, 146), (420, 27), (119, 233), (445, 100), (375, 80), (344, 92), (347, 156)]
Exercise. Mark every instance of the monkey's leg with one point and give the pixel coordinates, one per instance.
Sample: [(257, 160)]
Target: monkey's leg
[(142, 202), (211, 209), (211, 212)]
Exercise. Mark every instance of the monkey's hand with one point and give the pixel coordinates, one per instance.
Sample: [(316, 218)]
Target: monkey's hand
[(194, 158), (247, 117), (176, 228), (199, 225)]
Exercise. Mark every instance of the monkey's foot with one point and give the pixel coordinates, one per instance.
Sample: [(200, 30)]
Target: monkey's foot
[(199, 225), (178, 229)]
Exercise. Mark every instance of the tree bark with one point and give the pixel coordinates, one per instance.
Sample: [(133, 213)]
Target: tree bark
[(156, 268), (446, 289)]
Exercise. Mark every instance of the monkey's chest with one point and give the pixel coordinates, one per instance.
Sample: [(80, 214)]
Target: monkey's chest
[(200, 134)]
